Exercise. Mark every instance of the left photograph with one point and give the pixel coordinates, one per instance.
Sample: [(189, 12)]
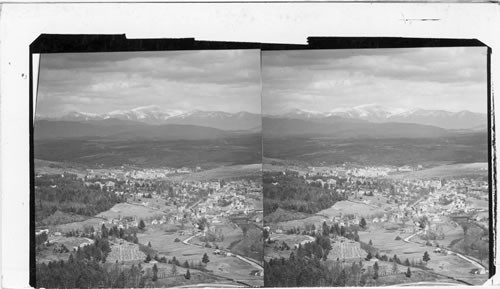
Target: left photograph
[(148, 170)]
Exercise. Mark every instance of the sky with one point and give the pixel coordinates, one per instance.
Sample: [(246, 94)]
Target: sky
[(217, 80), (451, 78)]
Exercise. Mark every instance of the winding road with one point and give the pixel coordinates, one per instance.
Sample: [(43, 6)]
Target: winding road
[(244, 259), (250, 261), (466, 258)]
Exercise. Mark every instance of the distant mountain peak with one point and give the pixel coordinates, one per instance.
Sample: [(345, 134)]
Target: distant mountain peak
[(374, 112), (154, 114)]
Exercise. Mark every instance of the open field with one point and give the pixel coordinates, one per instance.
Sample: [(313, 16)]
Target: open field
[(290, 239), (229, 267), (91, 222), (224, 172), (281, 215), (129, 210), (231, 232), (452, 170), (50, 168), (48, 254), (448, 265), (301, 223), (59, 217), (349, 207)]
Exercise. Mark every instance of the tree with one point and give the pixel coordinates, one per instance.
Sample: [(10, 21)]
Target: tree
[(362, 223), (148, 258), (426, 257), (407, 262), (369, 256), (149, 244), (187, 275), (186, 264), (173, 271), (141, 226), (155, 272), (120, 282), (205, 259), (104, 231), (408, 273), (395, 267), (375, 270), (265, 234), (326, 229), (370, 243)]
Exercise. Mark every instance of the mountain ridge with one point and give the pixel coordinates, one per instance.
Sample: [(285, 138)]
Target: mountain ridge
[(155, 115), (379, 114)]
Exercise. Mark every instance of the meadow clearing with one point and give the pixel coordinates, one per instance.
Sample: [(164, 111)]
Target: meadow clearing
[(449, 265), (228, 267)]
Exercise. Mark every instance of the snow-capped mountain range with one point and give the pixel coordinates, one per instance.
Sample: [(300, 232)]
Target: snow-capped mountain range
[(380, 114), (251, 121), (157, 115)]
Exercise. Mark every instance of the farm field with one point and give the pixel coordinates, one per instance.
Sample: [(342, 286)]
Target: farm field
[(125, 252), (347, 250)]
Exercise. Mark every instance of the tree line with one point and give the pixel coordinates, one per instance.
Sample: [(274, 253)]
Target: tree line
[(290, 192), (68, 194)]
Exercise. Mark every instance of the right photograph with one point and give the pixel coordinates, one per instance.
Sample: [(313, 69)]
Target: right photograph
[(375, 167)]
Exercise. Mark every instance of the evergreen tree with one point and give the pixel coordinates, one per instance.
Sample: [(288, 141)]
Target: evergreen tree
[(370, 243), (104, 231), (141, 226), (362, 223), (408, 272), (205, 259), (375, 270), (426, 257), (155, 272), (326, 229), (173, 271), (188, 275), (395, 267), (369, 256)]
